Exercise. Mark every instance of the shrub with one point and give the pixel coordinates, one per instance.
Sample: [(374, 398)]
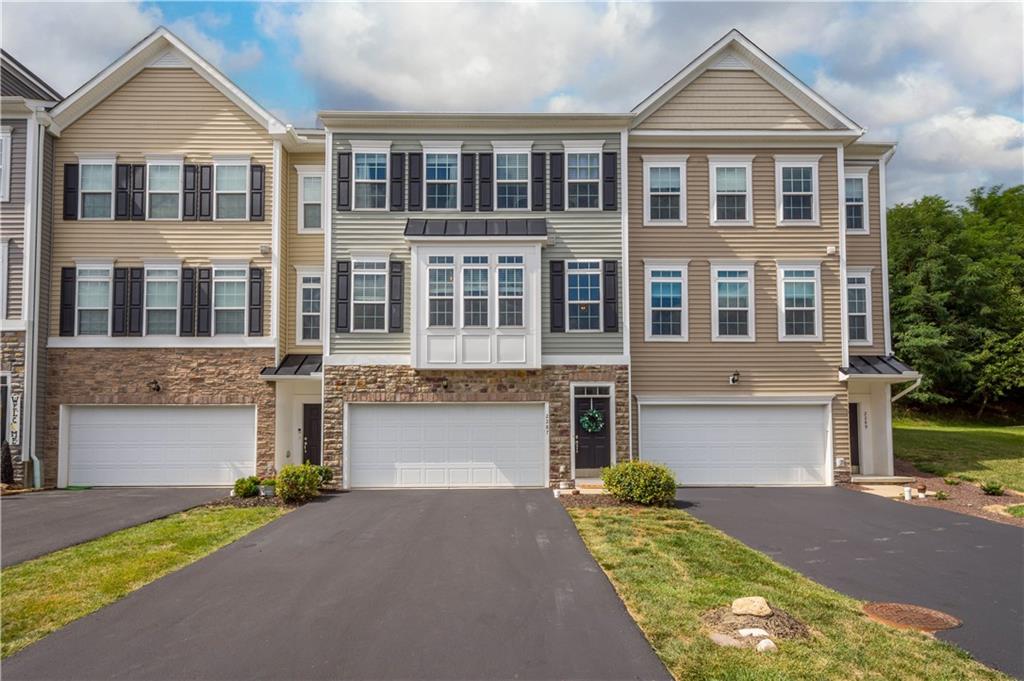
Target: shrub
[(247, 487), (950, 480), (993, 489), (298, 483), (326, 474), (641, 482), (268, 482), (941, 496)]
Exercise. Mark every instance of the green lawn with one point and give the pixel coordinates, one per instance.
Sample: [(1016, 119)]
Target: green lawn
[(670, 568), (1017, 511), (45, 594), (975, 452)]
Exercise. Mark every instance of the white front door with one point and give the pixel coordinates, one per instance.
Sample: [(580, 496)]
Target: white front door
[(446, 445), (737, 444), (160, 445)]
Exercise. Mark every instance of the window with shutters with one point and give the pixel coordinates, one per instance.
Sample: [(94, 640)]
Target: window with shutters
[(856, 186), (229, 300), (796, 190), (370, 295), (583, 295), (799, 301), (858, 305), (441, 291), (96, 188), (163, 188), (93, 300), (441, 179), (511, 178), (732, 301), (582, 178), (309, 290), (667, 300), (162, 300), (370, 178), (731, 190), (5, 163), (231, 189), (664, 190), (311, 198)]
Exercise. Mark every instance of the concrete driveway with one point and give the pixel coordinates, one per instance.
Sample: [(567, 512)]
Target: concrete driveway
[(371, 585), (37, 523), (880, 550)]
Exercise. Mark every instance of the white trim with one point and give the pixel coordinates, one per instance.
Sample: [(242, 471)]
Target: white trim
[(157, 265), (232, 161), (653, 132), (654, 399), (300, 272), (108, 265), (664, 161), (866, 273), (583, 147), (844, 320), (357, 359), (626, 322), (748, 266), (224, 341), (600, 294), (573, 385), (789, 161), (684, 322), (163, 160), (860, 173), (880, 378), (447, 148), (96, 159), (745, 161), (584, 360), (223, 265), (884, 227), (303, 172), (13, 325), (329, 267), (5, 244), (375, 147), (34, 147), (513, 148), (781, 267), (275, 247), (358, 257), (5, 160)]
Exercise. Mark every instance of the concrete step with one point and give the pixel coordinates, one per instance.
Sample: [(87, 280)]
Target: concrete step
[(880, 479)]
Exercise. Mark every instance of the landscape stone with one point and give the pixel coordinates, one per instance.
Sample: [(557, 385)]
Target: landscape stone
[(766, 646), (753, 631), (751, 605), (725, 640)]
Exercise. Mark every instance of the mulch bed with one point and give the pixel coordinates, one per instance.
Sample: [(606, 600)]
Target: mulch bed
[(594, 501), (249, 502), (779, 625)]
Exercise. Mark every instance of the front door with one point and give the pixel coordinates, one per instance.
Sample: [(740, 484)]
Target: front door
[(311, 419), (854, 435), (593, 432)]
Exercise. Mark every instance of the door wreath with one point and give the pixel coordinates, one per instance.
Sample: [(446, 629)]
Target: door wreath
[(592, 421)]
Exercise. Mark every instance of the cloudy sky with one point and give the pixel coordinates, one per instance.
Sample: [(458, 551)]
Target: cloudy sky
[(944, 79)]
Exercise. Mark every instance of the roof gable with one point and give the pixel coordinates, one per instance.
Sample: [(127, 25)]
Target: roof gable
[(18, 81)]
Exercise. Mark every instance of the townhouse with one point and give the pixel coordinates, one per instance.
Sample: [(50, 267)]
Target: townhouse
[(462, 299)]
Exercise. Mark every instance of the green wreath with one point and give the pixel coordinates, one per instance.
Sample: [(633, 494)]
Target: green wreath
[(592, 421)]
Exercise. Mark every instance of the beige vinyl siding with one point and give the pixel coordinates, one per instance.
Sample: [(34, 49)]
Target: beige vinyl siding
[(730, 100), (301, 250), (12, 216), (162, 111), (767, 366), (865, 250)]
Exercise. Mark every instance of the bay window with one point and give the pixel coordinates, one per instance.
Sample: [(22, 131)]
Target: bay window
[(666, 300), (231, 189), (475, 287), (441, 291), (510, 290), (93, 300), (369, 295), (858, 305), (731, 190), (799, 301), (664, 190), (161, 301), (96, 188), (796, 190), (732, 302), (583, 284), (229, 284)]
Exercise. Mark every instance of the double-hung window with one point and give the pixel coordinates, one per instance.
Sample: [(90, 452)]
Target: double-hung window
[(799, 301), (369, 295), (475, 291), (796, 190), (441, 178), (583, 284), (664, 190), (582, 177), (856, 201), (229, 284), (93, 300), (441, 291), (161, 301), (231, 189), (731, 190), (309, 304), (511, 274), (96, 187), (732, 301), (163, 188), (858, 305), (667, 314), (370, 176), (511, 178), (5, 162), (311, 198)]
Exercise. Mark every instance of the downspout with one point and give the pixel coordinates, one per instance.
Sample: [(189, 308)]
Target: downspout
[(624, 208), (913, 386), (33, 207)]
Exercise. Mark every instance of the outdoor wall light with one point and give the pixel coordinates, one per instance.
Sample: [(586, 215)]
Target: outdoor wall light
[(154, 385), (734, 378)]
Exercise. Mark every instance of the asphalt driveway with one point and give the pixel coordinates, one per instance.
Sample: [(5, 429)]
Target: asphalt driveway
[(371, 585), (880, 550), (37, 523)]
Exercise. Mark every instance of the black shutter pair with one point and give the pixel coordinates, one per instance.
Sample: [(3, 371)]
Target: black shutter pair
[(609, 303), (198, 289), (126, 309), (343, 296)]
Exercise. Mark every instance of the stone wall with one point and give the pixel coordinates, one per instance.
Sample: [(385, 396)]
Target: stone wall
[(12, 361), (187, 376), (381, 383)]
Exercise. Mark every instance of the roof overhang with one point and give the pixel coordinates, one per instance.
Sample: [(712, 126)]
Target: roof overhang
[(878, 369), (438, 122), (20, 107), (294, 367), (871, 150), (522, 229)]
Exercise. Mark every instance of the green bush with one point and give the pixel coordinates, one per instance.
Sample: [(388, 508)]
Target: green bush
[(247, 487), (993, 489), (298, 483), (941, 496), (641, 482), (268, 482), (951, 480), (326, 474)]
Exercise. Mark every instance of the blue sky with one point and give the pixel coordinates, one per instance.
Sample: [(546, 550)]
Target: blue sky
[(944, 79)]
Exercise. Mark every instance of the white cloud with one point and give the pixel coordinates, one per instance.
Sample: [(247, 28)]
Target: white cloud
[(899, 99), (962, 138), (216, 52)]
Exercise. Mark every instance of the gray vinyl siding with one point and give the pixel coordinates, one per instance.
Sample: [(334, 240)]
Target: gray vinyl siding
[(12, 216), (13, 85), (43, 294), (595, 235)]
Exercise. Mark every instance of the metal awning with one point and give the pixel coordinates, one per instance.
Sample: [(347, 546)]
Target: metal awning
[(533, 228), (294, 366), (882, 367)]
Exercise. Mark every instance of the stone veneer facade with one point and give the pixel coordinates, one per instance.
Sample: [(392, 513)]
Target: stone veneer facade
[(402, 384), (187, 376), (12, 361)]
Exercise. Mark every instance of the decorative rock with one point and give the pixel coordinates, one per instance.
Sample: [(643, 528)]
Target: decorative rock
[(753, 631), (751, 605), (725, 640), (766, 646)]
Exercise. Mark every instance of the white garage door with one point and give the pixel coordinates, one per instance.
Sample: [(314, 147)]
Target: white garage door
[(446, 445), (160, 445), (737, 444)]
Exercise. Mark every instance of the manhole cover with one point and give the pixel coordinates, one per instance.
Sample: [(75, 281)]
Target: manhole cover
[(910, 616)]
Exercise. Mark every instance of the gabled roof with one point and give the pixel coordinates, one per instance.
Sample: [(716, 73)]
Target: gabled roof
[(18, 81), (735, 51), (160, 49)]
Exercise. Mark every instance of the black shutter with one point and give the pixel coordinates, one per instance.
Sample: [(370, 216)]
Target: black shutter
[(67, 300), (396, 295), (139, 191), (397, 189), (557, 180), (203, 292), (537, 177), (415, 181), (255, 301), (468, 182), (187, 326), (119, 307), (71, 200), (123, 191), (558, 295), (486, 182), (135, 293), (611, 295), (206, 192), (341, 297), (189, 193), (344, 190), (257, 192), (609, 174)]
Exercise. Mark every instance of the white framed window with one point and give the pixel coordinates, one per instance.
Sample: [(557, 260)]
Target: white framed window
[(858, 305), (369, 294), (732, 301), (583, 283), (229, 299), (230, 188), (511, 294), (476, 296), (371, 163), (161, 300), (666, 304), (511, 177), (5, 244), (311, 198), (308, 304), (796, 190), (441, 176), (93, 299), (5, 163), (732, 194), (163, 187), (582, 177), (856, 214), (799, 291), (441, 291), (664, 190), (96, 187)]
